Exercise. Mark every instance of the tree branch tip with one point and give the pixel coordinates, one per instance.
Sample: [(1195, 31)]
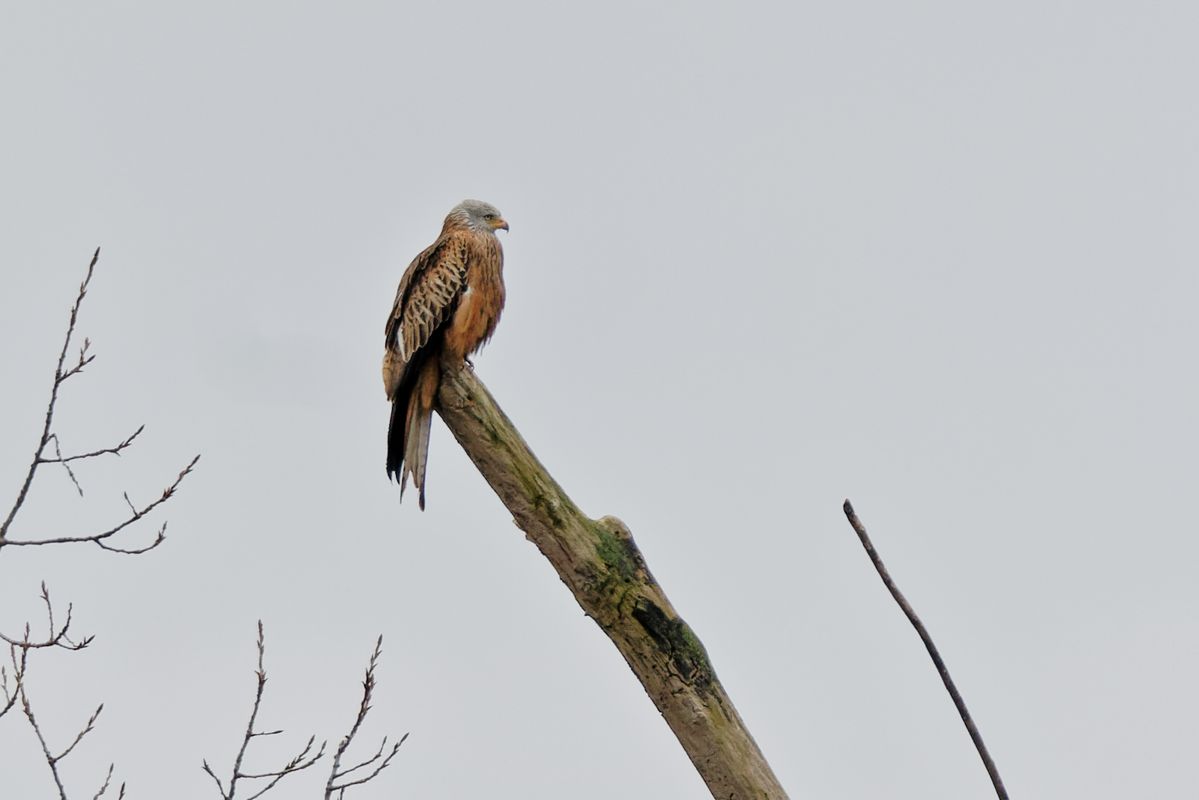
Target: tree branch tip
[(930, 646), (616, 526)]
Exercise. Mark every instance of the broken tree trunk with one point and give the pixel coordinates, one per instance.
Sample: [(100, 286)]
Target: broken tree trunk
[(600, 563)]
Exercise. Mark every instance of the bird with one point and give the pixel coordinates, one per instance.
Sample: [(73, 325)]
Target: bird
[(446, 307)]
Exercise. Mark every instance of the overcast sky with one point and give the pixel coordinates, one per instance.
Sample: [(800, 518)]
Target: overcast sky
[(936, 257)]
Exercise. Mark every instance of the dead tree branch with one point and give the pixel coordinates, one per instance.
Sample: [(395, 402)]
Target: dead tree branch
[(923, 633), (301, 761), (602, 566), (48, 438), (379, 760)]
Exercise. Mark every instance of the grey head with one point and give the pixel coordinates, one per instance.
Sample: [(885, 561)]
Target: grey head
[(478, 215)]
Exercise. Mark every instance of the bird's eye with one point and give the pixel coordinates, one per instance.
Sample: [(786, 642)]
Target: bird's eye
[(489, 216)]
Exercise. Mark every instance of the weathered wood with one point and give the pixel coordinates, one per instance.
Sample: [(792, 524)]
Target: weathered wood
[(601, 565)]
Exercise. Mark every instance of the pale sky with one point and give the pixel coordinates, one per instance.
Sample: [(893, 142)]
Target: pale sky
[(939, 258)]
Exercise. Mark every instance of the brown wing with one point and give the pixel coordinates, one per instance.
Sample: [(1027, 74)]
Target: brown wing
[(426, 297)]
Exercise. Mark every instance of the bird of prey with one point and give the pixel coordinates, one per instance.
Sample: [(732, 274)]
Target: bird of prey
[(446, 308)]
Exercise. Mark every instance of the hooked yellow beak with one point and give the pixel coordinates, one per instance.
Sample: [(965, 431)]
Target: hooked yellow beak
[(499, 223)]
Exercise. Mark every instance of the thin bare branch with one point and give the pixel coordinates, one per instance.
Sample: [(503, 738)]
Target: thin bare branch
[(922, 632), (260, 687), (56, 637), (88, 728), (65, 463), (135, 513), (19, 657), (137, 551), (27, 707), (382, 765), (53, 760), (42, 456), (84, 358), (220, 787), (303, 760), (115, 450), (59, 377), (378, 760), (19, 649), (104, 787)]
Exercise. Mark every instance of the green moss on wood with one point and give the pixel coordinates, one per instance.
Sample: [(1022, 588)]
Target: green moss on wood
[(613, 552), (676, 639)]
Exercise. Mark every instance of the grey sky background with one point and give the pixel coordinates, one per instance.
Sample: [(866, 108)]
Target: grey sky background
[(939, 258)]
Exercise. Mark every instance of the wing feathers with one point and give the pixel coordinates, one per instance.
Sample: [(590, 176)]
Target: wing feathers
[(426, 296)]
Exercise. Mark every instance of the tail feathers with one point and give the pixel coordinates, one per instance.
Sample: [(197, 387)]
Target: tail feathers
[(395, 439), (416, 455), (408, 429)]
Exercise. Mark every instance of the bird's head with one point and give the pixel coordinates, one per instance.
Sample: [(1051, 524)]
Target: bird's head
[(478, 215)]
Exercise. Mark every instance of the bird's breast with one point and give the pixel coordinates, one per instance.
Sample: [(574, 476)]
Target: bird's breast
[(478, 311)]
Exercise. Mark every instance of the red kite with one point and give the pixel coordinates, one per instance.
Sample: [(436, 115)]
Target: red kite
[(447, 307)]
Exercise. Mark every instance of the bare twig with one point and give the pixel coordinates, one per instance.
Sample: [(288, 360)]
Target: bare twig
[(942, 670), (88, 728), (33, 723), (115, 450), (59, 378), (303, 760), (53, 760), (56, 636), (41, 455), (104, 788), (135, 513), (19, 649), (19, 657), (379, 761), (66, 463)]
